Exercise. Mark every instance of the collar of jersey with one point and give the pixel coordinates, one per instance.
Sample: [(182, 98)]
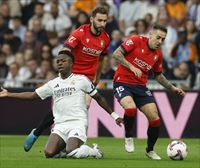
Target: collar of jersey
[(67, 77)]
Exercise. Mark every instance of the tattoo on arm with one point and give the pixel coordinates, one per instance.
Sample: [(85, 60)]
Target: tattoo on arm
[(119, 56), (163, 81)]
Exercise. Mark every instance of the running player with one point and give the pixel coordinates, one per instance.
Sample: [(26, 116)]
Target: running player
[(89, 43), (70, 112), (137, 56)]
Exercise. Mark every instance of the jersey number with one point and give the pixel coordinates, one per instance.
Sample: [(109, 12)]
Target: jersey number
[(119, 89)]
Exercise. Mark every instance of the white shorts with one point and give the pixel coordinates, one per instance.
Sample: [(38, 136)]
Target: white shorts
[(71, 129)]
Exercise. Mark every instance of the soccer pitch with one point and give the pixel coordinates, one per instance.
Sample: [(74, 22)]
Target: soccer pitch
[(12, 155)]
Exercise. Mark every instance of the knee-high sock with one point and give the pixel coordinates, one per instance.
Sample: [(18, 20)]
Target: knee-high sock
[(45, 123), (83, 152), (129, 118), (153, 133)]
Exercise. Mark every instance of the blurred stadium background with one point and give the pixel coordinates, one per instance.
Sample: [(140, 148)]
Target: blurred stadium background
[(33, 31)]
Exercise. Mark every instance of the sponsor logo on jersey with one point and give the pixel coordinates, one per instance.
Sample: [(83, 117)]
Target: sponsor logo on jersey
[(142, 64), (91, 51), (64, 92)]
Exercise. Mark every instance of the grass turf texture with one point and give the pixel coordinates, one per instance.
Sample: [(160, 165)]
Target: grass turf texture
[(12, 155)]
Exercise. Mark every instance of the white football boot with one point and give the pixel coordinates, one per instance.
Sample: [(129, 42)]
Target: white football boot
[(129, 145), (153, 155), (99, 153)]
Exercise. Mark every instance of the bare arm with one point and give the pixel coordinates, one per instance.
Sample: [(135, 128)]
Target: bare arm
[(98, 71), (168, 85), (22, 95), (103, 103), (119, 56)]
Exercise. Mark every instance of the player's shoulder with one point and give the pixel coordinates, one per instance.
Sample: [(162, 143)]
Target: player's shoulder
[(83, 28), (53, 81), (80, 77), (136, 39), (105, 34)]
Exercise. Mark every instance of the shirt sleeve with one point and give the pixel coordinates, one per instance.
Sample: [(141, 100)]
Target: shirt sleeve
[(73, 40), (158, 65), (130, 44), (44, 91), (88, 87), (105, 51)]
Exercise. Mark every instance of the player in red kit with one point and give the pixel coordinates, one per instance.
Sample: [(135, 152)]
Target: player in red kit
[(137, 56), (89, 43)]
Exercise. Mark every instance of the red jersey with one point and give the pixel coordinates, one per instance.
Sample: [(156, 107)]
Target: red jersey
[(139, 55), (87, 48)]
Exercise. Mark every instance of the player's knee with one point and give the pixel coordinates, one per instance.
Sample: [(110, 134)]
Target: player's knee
[(130, 111), (155, 122), (49, 153)]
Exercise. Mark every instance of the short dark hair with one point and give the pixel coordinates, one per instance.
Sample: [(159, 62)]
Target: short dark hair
[(160, 27), (101, 10), (68, 53)]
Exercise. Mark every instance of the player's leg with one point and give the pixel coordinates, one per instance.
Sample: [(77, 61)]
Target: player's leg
[(129, 117), (54, 146), (77, 149), (36, 132), (125, 99), (151, 112)]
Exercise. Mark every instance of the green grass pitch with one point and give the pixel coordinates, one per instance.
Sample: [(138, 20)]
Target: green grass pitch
[(12, 155)]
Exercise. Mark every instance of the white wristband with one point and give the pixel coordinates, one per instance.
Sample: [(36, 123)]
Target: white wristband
[(114, 115)]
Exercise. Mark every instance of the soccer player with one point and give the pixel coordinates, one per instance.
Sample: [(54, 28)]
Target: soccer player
[(89, 43), (137, 56), (69, 110)]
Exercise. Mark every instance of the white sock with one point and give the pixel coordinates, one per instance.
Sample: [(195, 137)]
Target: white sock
[(83, 152)]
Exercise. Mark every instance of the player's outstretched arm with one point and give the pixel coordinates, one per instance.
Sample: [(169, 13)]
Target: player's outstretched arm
[(168, 85), (119, 56), (103, 103), (98, 71), (22, 95)]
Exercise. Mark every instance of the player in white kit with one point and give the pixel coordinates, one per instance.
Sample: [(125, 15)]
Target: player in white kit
[(69, 110)]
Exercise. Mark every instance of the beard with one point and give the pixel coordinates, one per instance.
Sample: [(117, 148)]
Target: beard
[(98, 29)]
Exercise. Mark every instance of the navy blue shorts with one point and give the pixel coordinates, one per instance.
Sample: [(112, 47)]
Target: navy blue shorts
[(140, 94)]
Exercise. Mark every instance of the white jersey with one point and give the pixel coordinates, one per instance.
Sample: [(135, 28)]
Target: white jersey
[(69, 103)]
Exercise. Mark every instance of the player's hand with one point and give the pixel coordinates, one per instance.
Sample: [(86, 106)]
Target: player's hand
[(136, 71), (3, 92), (119, 121), (178, 91)]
